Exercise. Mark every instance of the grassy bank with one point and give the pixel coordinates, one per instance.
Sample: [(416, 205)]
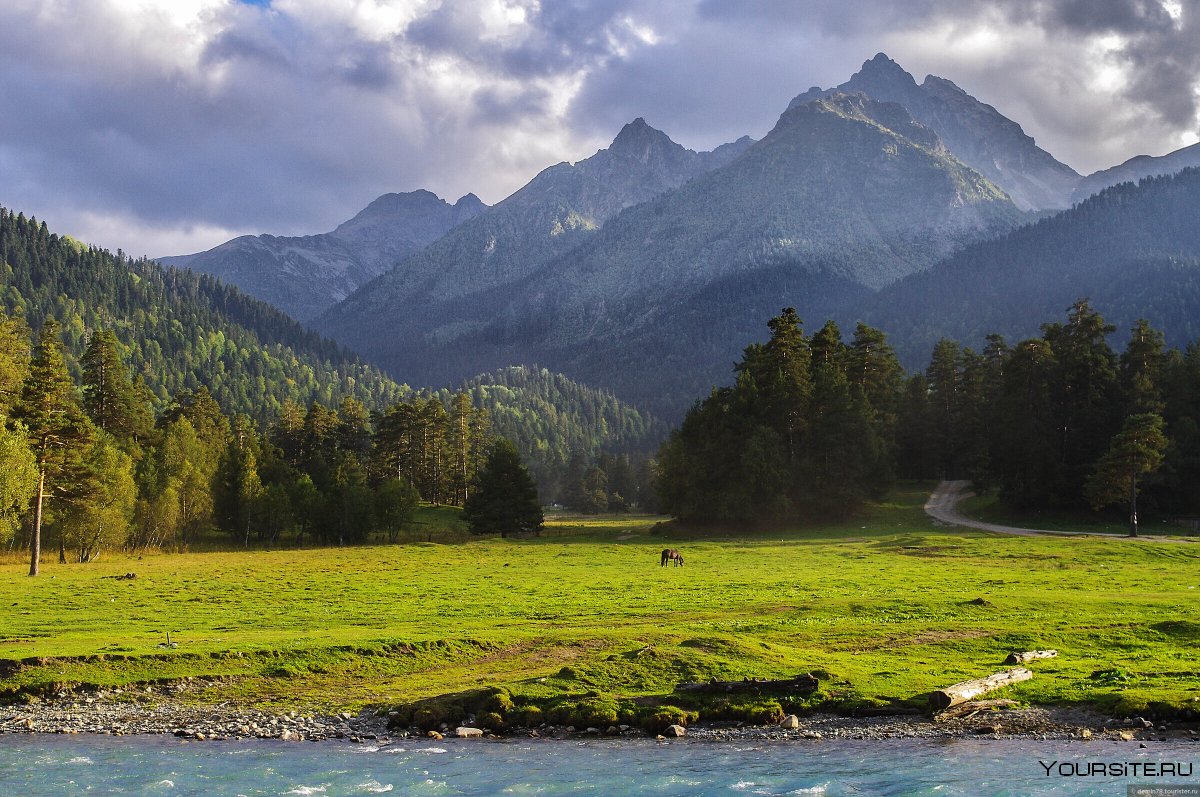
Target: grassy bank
[(883, 609)]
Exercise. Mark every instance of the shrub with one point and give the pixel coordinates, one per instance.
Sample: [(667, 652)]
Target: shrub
[(659, 717)]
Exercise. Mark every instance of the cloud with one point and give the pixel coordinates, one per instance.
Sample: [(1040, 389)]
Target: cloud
[(162, 126)]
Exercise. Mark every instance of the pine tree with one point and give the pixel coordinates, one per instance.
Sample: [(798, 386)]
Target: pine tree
[(1086, 395), (111, 399), (1135, 452), (1141, 369), (459, 441), (58, 430), (239, 485), (505, 499)]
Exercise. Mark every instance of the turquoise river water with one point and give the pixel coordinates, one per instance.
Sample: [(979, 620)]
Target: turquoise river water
[(61, 766)]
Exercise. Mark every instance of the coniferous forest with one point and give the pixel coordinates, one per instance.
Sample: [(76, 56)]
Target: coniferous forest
[(814, 425)]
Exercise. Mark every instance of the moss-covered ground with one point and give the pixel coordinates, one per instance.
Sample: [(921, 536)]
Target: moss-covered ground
[(883, 609)]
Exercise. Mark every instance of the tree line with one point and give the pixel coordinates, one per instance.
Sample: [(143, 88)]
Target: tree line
[(814, 426), (91, 467)]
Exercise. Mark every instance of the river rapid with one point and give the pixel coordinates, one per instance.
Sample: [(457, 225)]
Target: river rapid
[(61, 766)]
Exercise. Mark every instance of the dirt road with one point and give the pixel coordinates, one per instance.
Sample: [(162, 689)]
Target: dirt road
[(943, 507)]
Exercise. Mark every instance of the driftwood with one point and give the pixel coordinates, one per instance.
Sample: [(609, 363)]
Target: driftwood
[(1029, 655), (801, 683), (973, 707), (969, 690)]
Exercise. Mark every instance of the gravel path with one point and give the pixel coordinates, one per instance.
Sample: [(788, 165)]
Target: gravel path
[(943, 502)]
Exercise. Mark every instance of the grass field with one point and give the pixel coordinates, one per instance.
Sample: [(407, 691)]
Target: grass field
[(990, 509), (883, 609)]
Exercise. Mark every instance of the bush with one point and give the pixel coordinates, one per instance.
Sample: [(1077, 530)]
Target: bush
[(492, 721), (659, 717), (498, 700), (754, 712), (529, 716), (600, 711)]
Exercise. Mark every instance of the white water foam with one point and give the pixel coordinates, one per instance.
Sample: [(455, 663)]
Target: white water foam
[(374, 787), (80, 759), (304, 790), (170, 784)]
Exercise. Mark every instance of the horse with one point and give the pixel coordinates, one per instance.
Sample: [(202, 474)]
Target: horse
[(669, 554)]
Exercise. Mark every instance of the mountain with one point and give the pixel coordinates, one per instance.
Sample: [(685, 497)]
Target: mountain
[(977, 134), (304, 275), (1134, 250), (1137, 168), (557, 209), (844, 195)]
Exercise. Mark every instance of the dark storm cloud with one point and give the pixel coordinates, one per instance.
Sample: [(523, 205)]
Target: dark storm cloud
[(1161, 51), (556, 37), (197, 119)]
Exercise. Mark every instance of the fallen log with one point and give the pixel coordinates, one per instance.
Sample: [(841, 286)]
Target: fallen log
[(969, 690), (1029, 655), (973, 707), (801, 683)]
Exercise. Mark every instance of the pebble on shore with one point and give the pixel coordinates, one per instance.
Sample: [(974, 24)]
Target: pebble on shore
[(73, 714)]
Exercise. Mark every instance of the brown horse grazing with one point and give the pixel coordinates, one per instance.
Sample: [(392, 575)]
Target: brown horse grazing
[(671, 553)]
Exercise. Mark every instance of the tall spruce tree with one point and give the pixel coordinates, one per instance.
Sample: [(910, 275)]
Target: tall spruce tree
[(1087, 400), (58, 430), (505, 499)]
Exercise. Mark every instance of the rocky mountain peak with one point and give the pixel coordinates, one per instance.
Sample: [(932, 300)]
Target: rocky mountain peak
[(883, 68), (975, 132), (640, 141)]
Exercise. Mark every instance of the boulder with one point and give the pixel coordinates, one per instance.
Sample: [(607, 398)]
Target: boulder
[(675, 731), (790, 722), (463, 732)]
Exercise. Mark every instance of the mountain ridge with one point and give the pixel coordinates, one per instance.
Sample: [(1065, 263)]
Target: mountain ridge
[(847, 193), (304, 275)]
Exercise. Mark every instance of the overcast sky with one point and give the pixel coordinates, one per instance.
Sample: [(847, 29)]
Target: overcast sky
[(168, 126)]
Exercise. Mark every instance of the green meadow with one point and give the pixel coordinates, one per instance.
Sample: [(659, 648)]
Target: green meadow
[(883, 610)]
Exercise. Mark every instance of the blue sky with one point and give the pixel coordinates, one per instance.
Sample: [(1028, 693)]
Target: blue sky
[(168, 126)]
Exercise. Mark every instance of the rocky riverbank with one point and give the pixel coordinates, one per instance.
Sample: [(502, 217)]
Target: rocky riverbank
[(129, 714)]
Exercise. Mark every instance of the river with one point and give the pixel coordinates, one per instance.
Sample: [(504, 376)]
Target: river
[(61, 766)]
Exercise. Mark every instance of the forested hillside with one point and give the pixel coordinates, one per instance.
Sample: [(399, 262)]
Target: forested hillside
[(553, 419), (1133, 249), (181, 330)]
